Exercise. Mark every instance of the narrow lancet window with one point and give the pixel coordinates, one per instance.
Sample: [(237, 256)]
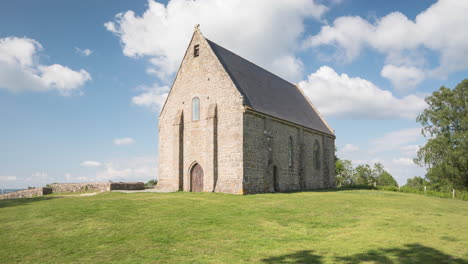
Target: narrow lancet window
[(316, 155), (290, 152), (195, 109), (196, 50)]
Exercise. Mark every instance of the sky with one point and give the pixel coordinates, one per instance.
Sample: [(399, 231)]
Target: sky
[(82, 82)]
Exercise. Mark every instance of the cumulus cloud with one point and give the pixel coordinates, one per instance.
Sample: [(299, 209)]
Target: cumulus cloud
[(404, 162), (261, 31), (403, 77), (21, 71), (410, 150), (90, 164), (138, 168), (7, 178), (348, 97), (395, 140), (152, 98), (83, 52), (440, 28), (124, 141), (349, 148)]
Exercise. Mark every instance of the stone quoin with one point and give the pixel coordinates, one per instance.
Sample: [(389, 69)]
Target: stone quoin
[(230, 126)]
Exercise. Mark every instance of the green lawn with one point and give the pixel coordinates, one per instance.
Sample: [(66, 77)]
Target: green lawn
[(309, 227)]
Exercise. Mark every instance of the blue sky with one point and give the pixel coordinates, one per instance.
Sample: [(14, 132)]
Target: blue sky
[(81, 82)]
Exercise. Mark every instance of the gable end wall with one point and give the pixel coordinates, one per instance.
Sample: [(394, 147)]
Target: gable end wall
[(215, 141)]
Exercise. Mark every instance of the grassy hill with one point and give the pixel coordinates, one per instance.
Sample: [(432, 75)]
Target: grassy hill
[(308, 227)]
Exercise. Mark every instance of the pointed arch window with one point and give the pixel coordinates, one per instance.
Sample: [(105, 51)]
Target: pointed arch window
[(290, 152), (195, 109), (317, 155)]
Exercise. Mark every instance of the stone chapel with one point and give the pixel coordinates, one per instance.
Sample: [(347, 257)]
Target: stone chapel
[(231, 126)]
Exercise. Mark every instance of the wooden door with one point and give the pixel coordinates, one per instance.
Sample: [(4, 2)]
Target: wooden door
[(197, 178)]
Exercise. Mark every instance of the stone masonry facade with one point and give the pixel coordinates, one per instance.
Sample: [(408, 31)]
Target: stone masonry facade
[(241, 151), (214, 141), (266, 145)]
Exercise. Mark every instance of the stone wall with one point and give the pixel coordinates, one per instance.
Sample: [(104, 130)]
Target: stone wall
[(127, 186), (266, 146), (27, 193), (80, 187), (215, 141), (96, 186)]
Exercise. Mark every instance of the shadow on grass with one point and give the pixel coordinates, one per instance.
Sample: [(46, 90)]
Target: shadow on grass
[(408, 254), (303, 256), (23, 201)]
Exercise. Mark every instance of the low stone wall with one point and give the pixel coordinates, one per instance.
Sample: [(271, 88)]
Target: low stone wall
[(80, 187), (96, 186), (127, 186), (27, 193), (75, 187)]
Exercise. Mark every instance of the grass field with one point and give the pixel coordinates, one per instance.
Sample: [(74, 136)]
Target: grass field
[(310, 227)]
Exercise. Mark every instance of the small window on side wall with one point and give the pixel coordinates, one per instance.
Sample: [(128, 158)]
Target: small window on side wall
[(317, 155), (195, 109), (196, 50), (290, 152)]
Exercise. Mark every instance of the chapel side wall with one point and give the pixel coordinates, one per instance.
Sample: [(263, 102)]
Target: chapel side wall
[(262, 133), (220, 107)]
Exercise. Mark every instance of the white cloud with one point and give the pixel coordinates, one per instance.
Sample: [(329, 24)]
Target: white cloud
[(138, 168), (83, 52), (7, 178), (124, 141), (410, 150), (348, 97), (441, 28), (349, 148), (261, 30), (404, 162), (21, 71), (403, 77), (90, 164), (152, 97), (38, 179), (395, 140)]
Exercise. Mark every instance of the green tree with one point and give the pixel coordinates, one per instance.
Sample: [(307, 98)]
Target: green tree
[(382, 177), (445, 124), (417, 183), (344, 173), (386, 179), (364, 175)]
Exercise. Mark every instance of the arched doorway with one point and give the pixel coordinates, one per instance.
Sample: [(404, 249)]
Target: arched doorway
[(196, 178)]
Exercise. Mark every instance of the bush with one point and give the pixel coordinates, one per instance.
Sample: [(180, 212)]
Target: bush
[(388, 188), (151, 183)]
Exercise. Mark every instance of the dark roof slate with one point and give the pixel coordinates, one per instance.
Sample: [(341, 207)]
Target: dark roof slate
[(267, 93)]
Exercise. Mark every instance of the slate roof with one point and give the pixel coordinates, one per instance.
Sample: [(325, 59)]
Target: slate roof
[(267, 93)]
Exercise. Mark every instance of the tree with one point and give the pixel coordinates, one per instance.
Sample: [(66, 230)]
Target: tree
[(344, 172), (445, 124), (364, 175), (382, 177), (416, 183), (386, 179)]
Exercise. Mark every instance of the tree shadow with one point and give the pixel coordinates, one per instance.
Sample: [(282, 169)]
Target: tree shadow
[(303, 256), (23, 201), (409, 254)]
